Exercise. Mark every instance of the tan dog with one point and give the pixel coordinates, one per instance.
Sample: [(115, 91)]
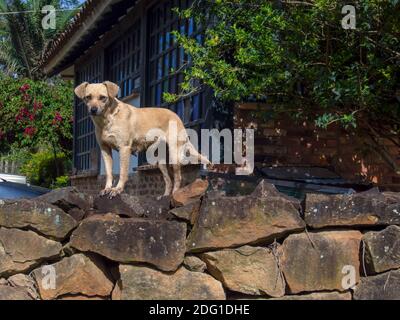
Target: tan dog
[(122, 127)]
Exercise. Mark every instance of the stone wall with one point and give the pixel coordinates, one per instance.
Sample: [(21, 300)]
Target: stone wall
[(284, 142), (146, 181), (201, 245)]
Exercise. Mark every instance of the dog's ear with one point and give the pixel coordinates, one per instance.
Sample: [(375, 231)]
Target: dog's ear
[(112, 89), (80, 90)]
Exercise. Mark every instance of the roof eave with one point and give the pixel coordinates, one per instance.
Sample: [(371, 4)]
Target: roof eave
[(50, 66)]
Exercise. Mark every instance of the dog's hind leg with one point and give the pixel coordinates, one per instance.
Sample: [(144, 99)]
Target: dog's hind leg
[(174, 157), (177, 177), (167, 179)]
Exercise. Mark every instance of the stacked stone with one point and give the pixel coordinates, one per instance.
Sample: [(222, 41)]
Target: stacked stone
[(201, 245)]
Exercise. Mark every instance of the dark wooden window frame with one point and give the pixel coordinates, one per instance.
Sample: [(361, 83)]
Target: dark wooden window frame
[(84, 137), (124, 59), (162, 54)]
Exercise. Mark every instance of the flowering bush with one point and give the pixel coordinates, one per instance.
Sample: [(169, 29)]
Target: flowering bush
[(35, 114), (36, 119)]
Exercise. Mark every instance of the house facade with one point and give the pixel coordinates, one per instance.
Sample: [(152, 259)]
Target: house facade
[(131, 43)]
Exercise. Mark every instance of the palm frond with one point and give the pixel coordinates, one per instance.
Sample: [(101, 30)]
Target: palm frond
[(25, 34)]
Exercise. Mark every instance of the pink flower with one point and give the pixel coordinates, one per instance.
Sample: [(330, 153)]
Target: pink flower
[(29, 131), (20, 116), (57, 118), (37, 105), (25, 87)]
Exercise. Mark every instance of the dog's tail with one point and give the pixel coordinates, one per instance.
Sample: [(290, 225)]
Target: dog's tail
[(200, 158)]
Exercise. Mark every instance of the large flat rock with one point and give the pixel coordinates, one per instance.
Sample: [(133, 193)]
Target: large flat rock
[(190, 193), (26, 283), (134, 206), (22, 250), (187, 212), (359, 209), (75, 275), (39, 216), (320, 261), (249, 270), (67, 198), (81, 298), (157, 242), (334, 295), (8, 293), (225, 222), (194, 263), (383, 249), (142, 283), (385, 286)]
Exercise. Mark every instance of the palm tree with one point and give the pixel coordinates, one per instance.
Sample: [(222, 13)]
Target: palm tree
[(22, 37)]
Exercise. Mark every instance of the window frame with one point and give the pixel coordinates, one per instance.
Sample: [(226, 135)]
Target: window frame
[(84, 141), (154, 82)]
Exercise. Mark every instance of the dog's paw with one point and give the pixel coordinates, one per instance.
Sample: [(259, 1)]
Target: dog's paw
[(114, 192), (105, 192)]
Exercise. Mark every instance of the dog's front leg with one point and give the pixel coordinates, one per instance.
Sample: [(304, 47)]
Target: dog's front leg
[(106, 153), (125, 156)]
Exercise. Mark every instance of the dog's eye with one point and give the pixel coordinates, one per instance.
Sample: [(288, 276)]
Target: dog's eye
[(103, 98), (89, 97)]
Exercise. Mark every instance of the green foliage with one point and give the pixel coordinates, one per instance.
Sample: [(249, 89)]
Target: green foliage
[(35, 114), (297, 57), (61, 182), (41, 168)]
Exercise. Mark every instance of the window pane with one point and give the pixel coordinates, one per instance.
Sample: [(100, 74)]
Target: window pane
[(160, 43), (159, 68), (173, 59), (166, 64), (136, 83), (179, 110), (158, 95)]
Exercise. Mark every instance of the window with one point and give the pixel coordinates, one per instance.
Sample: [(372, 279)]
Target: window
[(85, 140), (166, 59), (124, 61)]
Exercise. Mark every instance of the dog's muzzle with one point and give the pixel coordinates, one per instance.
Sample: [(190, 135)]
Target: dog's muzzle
[(93, 111)]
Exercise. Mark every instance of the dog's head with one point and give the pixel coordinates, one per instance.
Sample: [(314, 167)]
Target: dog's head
[(97, 96)]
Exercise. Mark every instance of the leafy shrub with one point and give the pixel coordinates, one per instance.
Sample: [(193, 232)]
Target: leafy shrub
[(42, 170), (61, 182), (297, 57)]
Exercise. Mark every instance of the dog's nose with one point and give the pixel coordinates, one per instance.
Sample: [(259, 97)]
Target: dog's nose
[(93, 110)]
